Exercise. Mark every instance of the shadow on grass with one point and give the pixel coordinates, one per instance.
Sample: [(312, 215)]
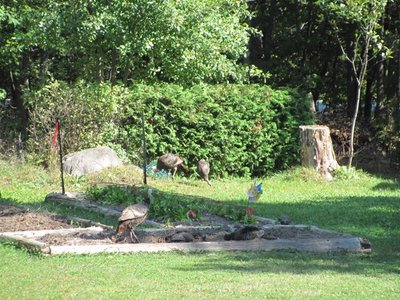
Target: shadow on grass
[(296, 263), (391, 186)]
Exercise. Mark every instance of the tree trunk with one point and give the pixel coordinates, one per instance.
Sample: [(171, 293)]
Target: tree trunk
[(353, 125), (18, 84), (380, 89), (397, 101), (44, 67), (368, 96), (317, 150), (114, 62)]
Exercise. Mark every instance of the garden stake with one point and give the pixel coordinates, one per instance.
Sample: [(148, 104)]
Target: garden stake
[(144, 151), (58, 127)]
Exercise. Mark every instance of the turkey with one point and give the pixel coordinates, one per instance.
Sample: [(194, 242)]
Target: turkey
[(134, 215), (203, 167), (171, 162)]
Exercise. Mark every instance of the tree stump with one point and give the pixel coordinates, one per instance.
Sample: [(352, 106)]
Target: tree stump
[(317, 150)]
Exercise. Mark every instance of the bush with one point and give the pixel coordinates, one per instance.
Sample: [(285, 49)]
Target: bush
[(242, 130), (88, 113)]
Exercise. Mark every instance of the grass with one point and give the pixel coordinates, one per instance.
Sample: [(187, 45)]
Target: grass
[(367, 206)]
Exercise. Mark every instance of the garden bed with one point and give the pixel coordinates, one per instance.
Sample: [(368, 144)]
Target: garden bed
[(52, 234)]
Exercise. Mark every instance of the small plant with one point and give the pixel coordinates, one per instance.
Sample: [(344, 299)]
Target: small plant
[(246, 216), (114, 194), (170, 208), (344, 173)]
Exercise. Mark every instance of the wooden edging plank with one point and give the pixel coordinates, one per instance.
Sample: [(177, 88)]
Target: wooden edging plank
[(312, 245), (25, 242), (62, 232)]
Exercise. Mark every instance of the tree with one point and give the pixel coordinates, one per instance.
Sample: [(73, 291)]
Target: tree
[(180, 41), (365, 16)]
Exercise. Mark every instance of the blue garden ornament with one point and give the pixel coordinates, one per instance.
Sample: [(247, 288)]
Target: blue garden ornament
[(255, 192), (151, 169)]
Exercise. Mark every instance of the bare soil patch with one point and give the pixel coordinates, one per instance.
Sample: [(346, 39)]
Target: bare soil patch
[(13, 218)]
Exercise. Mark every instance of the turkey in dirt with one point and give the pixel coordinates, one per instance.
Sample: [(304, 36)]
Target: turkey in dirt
[(133, 216)]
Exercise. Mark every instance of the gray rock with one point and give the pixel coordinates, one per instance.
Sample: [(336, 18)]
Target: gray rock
[(181, 237), (284, 220), (244, 234), (90, 161)]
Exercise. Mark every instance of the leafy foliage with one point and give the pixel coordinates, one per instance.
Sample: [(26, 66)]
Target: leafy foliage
[(88, 113), (181, 41), (241, 129)]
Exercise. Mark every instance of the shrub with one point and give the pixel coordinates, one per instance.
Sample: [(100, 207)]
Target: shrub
[(241, 129), (88, 113)]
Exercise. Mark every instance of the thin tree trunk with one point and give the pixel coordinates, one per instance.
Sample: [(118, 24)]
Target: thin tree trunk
[(351, 73), (359, 81), (126, 73), (397, 104), (113, 75), (44, 67), (267, 29), (18, 84), (255, 41), (368, 95), (353, 124), (379, 88)]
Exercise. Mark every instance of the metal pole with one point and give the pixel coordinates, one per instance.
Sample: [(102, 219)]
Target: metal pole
[(61, 156), (144, 151)]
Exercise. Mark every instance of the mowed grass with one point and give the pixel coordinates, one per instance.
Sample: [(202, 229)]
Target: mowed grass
[(367, 206)]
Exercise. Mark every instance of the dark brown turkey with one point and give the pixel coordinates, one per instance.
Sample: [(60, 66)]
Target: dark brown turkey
[(203, 167), (134, 215), (171, 162)]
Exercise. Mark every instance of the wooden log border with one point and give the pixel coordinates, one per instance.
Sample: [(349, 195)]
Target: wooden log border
[(310, 245), (26, 239)]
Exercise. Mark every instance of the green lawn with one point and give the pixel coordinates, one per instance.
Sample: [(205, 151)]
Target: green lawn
[(367, 206)]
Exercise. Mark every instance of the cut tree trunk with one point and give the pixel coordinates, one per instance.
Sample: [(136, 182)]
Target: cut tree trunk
[(317, 150)]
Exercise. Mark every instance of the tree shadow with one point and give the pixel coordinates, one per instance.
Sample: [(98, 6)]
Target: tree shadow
[(391, 186), (294, 262)]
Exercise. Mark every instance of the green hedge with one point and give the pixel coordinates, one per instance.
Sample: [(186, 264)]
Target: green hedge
[(241, 129)]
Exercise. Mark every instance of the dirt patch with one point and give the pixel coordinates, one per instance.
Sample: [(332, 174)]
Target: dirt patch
[(13, 218), (78, 238)]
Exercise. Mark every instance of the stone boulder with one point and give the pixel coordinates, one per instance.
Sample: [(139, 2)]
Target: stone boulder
[(90, 161)]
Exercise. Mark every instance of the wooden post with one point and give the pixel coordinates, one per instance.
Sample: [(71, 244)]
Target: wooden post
[(317, 150)]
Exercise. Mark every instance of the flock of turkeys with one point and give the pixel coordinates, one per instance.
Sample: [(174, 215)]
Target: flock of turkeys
[(136, 214)]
